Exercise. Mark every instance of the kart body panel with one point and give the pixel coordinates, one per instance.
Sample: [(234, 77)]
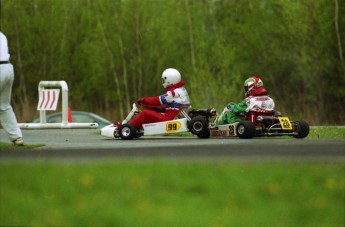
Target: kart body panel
[(108, 131), (194, 121), (258, 124), (228, 130), (166, 127)]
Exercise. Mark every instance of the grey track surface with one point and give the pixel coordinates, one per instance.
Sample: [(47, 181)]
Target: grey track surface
[(87, 144)]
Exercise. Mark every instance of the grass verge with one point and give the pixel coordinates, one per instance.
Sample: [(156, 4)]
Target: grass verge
[(161, 193), (327, 132), (11, 147)]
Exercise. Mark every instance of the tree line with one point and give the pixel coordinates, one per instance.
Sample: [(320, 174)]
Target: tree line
[(111, 52)]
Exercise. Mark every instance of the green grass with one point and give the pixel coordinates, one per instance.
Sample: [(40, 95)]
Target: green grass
[(11, 147), (329, 132), (161, 193)]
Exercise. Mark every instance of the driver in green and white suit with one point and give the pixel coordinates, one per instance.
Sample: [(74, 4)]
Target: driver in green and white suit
[(257, 99)]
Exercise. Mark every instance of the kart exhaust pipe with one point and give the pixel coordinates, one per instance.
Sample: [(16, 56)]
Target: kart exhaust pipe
[(265, 118)]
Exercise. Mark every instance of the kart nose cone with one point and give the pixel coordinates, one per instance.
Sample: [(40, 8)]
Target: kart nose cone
[(108, 131)]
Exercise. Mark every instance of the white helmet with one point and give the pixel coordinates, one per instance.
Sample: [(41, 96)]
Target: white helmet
[(170, 77)]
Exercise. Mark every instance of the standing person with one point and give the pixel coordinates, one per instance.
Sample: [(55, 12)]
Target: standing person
[(257, 99), (164, 107), (7, 117)]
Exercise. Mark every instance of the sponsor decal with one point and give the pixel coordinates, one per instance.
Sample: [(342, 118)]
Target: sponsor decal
[(173, 126), (265, 98), (218, 133)]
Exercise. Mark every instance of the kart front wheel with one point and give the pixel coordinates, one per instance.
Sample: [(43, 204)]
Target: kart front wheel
[(302, 129), (127, 132), (245, 129), (204, 135), (198, 126)]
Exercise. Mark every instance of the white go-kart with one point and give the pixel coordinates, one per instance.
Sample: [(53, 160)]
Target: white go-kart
[(195, 121)]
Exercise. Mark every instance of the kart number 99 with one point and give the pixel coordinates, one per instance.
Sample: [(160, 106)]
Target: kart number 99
[(173, 126)]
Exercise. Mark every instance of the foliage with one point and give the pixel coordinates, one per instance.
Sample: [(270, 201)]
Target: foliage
[(111, 52)]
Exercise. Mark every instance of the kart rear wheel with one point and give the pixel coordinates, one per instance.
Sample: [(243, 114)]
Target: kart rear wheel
[(198, 126), (127, 132), (245, 129), (302, 129)]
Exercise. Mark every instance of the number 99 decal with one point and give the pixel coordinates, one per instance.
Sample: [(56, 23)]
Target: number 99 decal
[(173, 126)]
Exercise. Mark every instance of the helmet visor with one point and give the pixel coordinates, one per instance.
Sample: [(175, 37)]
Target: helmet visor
[(246, 88)]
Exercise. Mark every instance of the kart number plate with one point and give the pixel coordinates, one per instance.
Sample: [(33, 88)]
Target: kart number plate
[(173, 126), (285, 123), (231, 130)]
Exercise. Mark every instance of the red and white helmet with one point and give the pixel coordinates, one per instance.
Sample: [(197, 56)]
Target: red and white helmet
[(251, 84), (170, 77)]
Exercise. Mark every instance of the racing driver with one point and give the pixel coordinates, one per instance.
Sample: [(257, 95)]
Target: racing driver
[(164, 107), (257, 99)]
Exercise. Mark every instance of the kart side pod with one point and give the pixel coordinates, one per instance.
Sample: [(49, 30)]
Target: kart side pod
[(197, 126), (243, 129), (196, 123), (226, 130), (174, 126)]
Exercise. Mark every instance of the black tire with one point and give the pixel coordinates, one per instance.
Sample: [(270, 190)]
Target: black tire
[(302, 129), (245, 129), (198, 126), (116, 134), (127, 132), (204, 135), (138, 135)]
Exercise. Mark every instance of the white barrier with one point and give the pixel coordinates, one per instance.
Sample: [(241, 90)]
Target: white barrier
[(64, 124), (57, 125)]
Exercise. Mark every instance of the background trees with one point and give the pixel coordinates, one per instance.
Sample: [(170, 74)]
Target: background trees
[(110, 52)]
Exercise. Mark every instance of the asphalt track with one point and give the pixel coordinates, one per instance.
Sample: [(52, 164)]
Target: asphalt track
[(87, 144)]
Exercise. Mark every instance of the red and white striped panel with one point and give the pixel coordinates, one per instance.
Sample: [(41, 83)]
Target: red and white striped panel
[(48, 99)]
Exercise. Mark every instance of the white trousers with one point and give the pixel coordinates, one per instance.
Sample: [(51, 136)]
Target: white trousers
[(7, 117)]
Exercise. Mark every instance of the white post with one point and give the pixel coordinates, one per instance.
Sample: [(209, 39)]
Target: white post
[(64, 124), (64, 89)]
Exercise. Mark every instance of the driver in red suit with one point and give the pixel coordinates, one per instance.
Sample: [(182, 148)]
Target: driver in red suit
[(164, 107)]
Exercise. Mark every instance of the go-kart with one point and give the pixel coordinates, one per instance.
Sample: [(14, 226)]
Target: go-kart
[(195, 121), (257, 124)]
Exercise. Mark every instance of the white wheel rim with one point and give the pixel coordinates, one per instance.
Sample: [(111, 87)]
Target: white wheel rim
[(241, 129), (126, 131), (197, 126)]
